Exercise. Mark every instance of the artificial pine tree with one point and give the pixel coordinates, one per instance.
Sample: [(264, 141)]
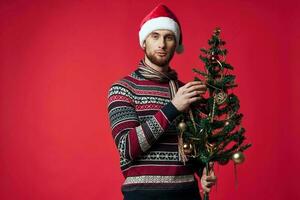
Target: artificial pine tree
[(212, 130)]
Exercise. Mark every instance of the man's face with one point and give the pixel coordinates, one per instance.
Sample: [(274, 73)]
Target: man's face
[(160, 46)]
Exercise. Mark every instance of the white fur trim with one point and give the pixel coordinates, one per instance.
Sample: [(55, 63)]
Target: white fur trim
[(156, 24)]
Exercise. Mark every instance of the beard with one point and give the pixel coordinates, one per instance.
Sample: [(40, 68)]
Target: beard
[(160, 61)]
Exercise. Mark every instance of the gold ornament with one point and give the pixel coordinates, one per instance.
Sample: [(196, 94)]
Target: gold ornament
[(182, 126), (220, 97), (210, 148), (187, 148), (238, 157)]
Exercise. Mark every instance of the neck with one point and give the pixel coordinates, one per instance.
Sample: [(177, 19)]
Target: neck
[(156, 67)]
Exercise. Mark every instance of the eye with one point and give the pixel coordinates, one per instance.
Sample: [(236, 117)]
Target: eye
[(155, 36), (170, 38)]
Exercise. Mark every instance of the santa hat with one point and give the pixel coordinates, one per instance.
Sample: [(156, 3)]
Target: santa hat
[(161, 17)]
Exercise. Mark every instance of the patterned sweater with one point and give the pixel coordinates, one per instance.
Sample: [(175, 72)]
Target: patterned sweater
[(142, 120)]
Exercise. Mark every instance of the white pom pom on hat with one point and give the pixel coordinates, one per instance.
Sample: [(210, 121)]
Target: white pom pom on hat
[(161, 17)]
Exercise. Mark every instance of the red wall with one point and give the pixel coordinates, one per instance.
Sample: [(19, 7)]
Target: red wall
[(58, 58)]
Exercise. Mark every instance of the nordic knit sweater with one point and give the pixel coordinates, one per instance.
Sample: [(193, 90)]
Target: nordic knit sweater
[(142, 120)]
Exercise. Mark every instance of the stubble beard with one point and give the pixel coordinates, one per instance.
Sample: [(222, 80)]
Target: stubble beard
[(161, 62)]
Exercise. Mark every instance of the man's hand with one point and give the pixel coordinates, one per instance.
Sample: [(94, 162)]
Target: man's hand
[(188, 94), (208, 181)]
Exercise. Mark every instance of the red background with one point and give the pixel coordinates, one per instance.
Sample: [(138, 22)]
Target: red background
[(58, 59)]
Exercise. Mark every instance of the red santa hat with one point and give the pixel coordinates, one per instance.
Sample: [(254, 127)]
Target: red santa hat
[(161, 17)]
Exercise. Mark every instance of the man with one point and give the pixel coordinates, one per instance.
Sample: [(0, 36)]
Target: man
[(143, 108)]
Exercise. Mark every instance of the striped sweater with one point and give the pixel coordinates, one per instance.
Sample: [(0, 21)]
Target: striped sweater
[(142, 120)]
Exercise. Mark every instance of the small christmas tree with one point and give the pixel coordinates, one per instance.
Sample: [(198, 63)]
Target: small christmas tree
[(212, 130)]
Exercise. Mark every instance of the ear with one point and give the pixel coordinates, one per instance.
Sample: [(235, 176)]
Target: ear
[(144, 45)]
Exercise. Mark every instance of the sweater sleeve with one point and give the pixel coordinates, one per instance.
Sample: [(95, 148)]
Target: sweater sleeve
[(130, 135)]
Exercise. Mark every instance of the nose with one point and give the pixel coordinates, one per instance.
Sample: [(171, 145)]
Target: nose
[(161, 43)]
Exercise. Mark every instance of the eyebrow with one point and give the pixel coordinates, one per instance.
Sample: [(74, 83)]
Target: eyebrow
[(168, 34)]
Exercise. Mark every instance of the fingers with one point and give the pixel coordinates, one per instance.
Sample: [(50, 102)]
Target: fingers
[(188, 94), (206, 186), (189, 84), (192, 86), (211, 165), (200, 88), (191, 100), (211, 179), (192, 91), (192, 94), (206, 189), (207, 182)]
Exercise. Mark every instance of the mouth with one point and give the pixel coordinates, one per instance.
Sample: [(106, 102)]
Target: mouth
[(161, 53)]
